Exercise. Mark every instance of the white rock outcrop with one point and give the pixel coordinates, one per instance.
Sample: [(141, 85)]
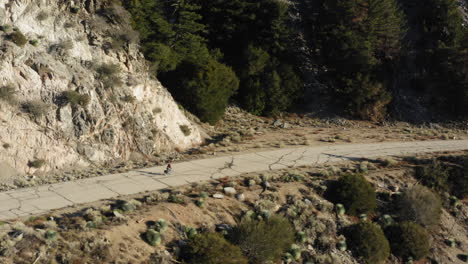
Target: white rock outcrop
[(69, 43)]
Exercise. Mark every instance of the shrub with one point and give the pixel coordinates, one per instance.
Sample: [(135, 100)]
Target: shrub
[(421, 205), (176, 198), (203, 89), (5, 28), (18, 38), (7, 94), (114, 13), (153, 237), (408, 239), (74, 9), (130, 36), (68, 24), (74, 98), (42, 16), (38, 163), (367, 242), (35, 108), (34, 42), (65, 45), (108, 74), (107, 69), (291, 177), (446, 177), (263, 240), (50, 235), (355, 193), (459, 177), (129, 99), (212, 248), (434, 176), (116, 44), (185, 129), (157, 110)]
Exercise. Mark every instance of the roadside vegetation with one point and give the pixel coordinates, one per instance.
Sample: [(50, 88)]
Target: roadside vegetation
[(234, 220)]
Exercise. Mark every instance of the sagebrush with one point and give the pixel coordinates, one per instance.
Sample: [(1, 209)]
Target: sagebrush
[(355, 193), (212, 248), (263, 240), (368, 242)]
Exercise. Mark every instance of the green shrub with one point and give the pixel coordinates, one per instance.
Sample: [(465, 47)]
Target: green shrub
[(18, 38), (74, 98), (355, 193), (291, 177), (203, 89), (5, 28), (434, 176), (153, 237), (50, 235), (367, 242), (7, 94), (263, 240), (212, 248), (35, 108), (38, 163), (420, 205), (451, 176), (459, 177), (74, 9), (408, 239), (185, 129), (176, 198), (34, 42)]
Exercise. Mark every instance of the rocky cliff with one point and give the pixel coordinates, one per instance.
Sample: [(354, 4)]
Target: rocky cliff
[(76, 91)]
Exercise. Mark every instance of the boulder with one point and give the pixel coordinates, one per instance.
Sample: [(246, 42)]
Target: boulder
[(230, 190)]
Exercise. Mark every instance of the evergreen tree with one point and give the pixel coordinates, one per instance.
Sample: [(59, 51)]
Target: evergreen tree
[(442, 60), (357, 42), (205, 89), (155, 31), (172, 39), (257, 42)]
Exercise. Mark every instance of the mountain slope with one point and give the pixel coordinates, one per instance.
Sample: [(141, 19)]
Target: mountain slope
[(75, 90)]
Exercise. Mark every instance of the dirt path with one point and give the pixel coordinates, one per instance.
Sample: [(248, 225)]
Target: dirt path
[(38, 200)]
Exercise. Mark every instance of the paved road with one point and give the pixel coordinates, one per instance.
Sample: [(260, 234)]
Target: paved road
[(38, 200)]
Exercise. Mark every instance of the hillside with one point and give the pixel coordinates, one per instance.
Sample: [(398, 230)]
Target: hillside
[(76, 91), (299, 131), (159, 227)]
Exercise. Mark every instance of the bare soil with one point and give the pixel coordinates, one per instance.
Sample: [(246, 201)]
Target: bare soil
[(121, 239)]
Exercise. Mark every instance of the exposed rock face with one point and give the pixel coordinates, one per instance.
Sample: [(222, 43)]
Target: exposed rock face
[(88, 47)]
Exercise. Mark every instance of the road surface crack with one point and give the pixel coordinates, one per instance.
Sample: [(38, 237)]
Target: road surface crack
[(278, 161), (227, 165), (299, 158)]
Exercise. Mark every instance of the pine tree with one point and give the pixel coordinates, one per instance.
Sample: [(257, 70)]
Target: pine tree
[(256, 40), (156, 33), (442, 56), (356, 41), (203, 89)]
